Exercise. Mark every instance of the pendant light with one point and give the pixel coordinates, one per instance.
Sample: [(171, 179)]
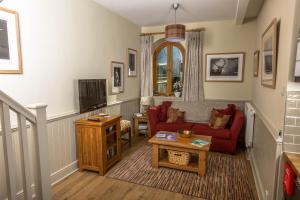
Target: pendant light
[(175, 32)]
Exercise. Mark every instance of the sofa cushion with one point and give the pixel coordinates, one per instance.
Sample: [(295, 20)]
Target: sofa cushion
[(162, 126), (175, 115), (163, 114), (218, 119), (204, 129), (221, 122), (230, 110), (212, 117)]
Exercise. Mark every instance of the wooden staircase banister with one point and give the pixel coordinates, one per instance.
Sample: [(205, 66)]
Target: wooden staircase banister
[(37, 116), (17, 107)]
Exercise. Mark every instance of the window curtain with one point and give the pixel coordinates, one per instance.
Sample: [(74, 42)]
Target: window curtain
[(193, 78), (146, 66)]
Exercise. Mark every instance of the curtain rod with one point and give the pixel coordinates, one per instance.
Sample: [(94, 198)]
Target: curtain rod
[(160, 33)]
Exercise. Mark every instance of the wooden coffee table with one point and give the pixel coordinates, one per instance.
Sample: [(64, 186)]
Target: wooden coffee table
[(160, 159)]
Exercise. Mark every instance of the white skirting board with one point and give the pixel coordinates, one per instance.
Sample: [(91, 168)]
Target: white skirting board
[(63, 173), (20, 194), (257, 179), (56, 177)]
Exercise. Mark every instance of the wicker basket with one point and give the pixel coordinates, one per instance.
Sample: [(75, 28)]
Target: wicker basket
[(178, 157)]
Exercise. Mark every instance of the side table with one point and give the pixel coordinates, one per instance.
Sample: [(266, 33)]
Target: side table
[(141, 119)]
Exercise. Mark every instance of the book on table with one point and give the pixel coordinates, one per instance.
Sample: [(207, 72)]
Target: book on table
[(200, 143), (164, 135)]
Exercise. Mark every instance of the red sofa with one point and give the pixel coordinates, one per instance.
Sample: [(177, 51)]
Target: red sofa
[(223, 140)]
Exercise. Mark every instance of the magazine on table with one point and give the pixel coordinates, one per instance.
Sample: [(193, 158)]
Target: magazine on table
[(200, 143), (164, 135)]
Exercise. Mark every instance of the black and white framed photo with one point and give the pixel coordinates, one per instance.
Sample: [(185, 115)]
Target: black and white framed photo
[(256, 63), (132, 61), (10, 48), (225, 67), (269, 56), (117, 77)]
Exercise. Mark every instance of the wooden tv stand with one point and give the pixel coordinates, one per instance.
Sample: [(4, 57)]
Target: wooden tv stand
[(98, 143)]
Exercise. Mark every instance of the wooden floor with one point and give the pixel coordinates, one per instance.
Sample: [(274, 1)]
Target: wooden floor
[(90, 186)]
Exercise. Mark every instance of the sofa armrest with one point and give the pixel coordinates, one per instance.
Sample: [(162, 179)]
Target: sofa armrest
[(153, 119), (237, 125)]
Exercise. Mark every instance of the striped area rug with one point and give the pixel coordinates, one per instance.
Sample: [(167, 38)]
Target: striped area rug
[(226, 176)]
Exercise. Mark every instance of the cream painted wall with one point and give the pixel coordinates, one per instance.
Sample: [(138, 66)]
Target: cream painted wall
[(65, 40), (271, 102), (296, 30), (224, 37)]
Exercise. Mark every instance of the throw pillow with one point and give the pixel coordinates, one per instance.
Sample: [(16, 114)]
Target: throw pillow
[(212, 117), (221, 122), (174, 115), (163, 116), (230, 110), (180, 116)]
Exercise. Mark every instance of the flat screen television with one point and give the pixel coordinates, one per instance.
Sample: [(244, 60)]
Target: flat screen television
[(92, 94)]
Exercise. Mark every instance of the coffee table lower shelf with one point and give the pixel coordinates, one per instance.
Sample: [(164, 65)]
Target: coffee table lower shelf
[(192, 166), (159, 160)]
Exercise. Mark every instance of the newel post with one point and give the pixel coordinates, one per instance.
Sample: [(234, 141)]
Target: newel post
[(41, 142)]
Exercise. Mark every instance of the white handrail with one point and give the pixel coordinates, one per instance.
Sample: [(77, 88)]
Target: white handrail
[(39, 125), (17, 107)]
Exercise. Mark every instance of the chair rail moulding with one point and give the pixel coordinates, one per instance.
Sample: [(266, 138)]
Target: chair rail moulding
[(74, 113)]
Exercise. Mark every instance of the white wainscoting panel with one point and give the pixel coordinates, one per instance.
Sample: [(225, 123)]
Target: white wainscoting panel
[(62, 145), (264, 159)]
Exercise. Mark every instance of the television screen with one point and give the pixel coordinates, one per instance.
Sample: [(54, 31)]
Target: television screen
[(92, 94)]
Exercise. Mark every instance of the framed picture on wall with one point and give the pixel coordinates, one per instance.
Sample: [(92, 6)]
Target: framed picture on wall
[(269, 55), (225, 67), (117, 77), (256, 63), (10, 48), (132, 62)]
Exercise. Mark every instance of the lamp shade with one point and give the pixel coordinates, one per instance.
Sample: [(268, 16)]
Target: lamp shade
[(146, 101), (175, 32)]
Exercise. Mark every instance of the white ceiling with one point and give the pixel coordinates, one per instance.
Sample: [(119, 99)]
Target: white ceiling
[(158, 12)]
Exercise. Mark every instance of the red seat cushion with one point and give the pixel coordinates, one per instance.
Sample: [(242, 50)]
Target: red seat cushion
[(162, 126), (204, 129)]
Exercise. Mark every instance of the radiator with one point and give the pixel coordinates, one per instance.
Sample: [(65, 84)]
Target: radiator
[(250, 120)]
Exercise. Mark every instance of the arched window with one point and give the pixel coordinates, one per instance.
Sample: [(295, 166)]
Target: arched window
[(168, 65)]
